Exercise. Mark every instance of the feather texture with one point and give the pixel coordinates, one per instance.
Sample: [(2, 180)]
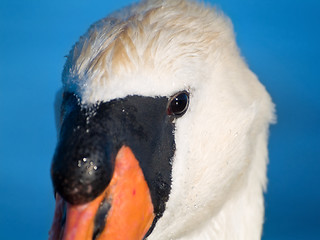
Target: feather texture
[(156, 48)]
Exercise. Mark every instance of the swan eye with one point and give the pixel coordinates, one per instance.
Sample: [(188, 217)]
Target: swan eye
[(178, 104)]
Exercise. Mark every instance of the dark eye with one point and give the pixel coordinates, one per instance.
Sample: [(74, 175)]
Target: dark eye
[(178, 104)]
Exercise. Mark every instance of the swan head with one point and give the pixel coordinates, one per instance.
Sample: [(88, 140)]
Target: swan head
[(158, 100)]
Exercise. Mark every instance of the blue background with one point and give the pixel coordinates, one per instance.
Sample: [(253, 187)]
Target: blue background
[(280, 41)]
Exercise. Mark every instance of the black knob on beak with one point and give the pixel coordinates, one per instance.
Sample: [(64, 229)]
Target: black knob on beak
[(81, 167)]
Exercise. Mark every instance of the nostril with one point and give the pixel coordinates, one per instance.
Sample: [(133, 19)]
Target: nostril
[(100, 218), (64, 214)]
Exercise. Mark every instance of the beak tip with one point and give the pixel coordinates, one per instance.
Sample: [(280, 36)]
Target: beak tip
[(128, 201)]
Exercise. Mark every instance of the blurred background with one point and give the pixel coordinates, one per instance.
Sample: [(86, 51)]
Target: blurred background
[(278, 38)]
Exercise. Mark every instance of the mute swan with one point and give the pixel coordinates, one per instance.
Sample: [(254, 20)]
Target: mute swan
[(163, 130)]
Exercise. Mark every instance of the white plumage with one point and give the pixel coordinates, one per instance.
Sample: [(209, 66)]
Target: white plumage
[(156, 48)]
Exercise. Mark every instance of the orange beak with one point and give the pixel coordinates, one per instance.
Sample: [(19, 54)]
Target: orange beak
[(123, 211)]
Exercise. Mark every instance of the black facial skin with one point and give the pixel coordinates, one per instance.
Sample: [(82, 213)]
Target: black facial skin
[(90, 138)]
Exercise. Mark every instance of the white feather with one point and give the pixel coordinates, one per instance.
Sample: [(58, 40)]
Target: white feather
[(156, 48)]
